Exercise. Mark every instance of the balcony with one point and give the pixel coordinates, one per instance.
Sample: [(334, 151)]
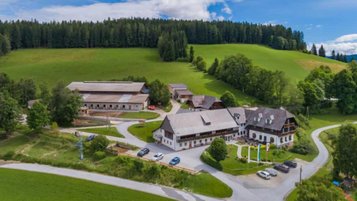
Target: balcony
[(205, 136)]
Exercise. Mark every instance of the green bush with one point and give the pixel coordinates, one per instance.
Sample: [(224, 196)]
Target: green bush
[(99, 155), (303, 147), (207, 158), (100, 143), (8, 156)]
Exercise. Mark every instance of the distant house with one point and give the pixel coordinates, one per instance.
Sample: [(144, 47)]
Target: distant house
[(202, 102), (192, 129), (180, 92), (112, 95)]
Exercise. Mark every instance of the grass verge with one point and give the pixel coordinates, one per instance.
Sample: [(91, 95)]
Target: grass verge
[(111, 131), (139, 115), (144, 131)]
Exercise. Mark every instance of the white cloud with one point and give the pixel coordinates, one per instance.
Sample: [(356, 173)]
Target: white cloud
[(346, 44), (173, 9), (347, 38)]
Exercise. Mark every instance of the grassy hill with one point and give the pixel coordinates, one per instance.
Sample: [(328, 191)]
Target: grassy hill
[(53, 65), (295, 64)]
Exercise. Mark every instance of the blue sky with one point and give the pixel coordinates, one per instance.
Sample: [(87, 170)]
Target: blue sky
[(332, 23)]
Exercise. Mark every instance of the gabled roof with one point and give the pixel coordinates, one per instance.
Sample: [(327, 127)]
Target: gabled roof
[(178, 86), (267, 118), (198, 122), (184, 92), (202, 101), (238, 113), (114, 98), (98, 86)]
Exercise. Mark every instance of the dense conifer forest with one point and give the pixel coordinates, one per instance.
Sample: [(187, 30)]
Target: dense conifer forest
[(138, 32)]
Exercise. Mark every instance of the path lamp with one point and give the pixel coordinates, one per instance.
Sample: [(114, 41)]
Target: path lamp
[(300, 174)]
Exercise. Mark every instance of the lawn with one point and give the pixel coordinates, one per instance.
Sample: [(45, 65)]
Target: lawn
[(296, 65), (139, 115), (60, 150), (273, 155), (111, 131), (16, 185), (50, 66), (232, 165), (144, 131)]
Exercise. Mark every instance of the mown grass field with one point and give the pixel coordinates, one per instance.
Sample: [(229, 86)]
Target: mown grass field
[(296, 65), (16, 185), (139, 115), (53, 65)]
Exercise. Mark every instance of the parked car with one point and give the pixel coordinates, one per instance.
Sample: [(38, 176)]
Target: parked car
[(90, 138), (151, 107), (158, 156), (143, 152), (263, 174), (271, 171), (292, 164), (175, 161), (282, 168)]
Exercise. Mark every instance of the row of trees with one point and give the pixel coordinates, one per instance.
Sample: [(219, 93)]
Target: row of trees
[(238, 70), (5, 46), (60, 106), (138, 32), (321, 86), (172, 46), (339, 56), (321, 52)]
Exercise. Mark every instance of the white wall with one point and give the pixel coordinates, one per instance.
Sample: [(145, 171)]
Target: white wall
[(277, 140)]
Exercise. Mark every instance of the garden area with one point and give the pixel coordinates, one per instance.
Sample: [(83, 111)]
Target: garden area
[(231, 164), (273, 155), (109, 131), (144, 130), (60, 150)]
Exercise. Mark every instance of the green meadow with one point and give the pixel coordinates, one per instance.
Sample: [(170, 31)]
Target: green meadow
[(46, 187), (296, 65), (50, 66)]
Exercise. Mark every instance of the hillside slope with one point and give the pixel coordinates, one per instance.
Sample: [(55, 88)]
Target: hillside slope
[(53, 65), (295, 64)]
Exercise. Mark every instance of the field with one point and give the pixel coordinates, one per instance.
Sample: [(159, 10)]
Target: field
[(144, 131), (46, 187), (50, 66), (112, 131), (296, 65)]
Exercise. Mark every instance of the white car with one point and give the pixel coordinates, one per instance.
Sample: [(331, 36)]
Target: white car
[(158, 156), (263, 174), (271, 172)]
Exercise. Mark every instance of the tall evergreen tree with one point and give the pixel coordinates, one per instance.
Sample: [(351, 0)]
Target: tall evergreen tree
[(333, 54), (213, 69), (192, 54), (322, 52), (313, 49)]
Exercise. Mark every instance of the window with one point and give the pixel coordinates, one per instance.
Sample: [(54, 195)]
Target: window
[(281, 140), (254, 135), (271, 140), (260, 137), (290, 138), (180, 144), (185, 143)]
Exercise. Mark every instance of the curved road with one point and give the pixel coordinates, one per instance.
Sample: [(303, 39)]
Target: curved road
[(240, 184)]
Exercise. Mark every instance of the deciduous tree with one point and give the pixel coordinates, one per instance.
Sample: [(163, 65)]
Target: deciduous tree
[(218, 149), (9, 113), (228, 99), (38, 116)]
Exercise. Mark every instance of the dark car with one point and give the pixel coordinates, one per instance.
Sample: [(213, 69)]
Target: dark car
[(90, 138), (143, 152), (175, 161), (291, 164), (282, 168)]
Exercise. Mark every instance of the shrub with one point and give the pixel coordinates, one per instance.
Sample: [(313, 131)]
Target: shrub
[(8, 155), (243, 160), (303, 147), (206, 158), (100, 143), (99, 155), (218, 149)]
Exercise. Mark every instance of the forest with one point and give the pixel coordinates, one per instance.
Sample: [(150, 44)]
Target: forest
[(138, 32)]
